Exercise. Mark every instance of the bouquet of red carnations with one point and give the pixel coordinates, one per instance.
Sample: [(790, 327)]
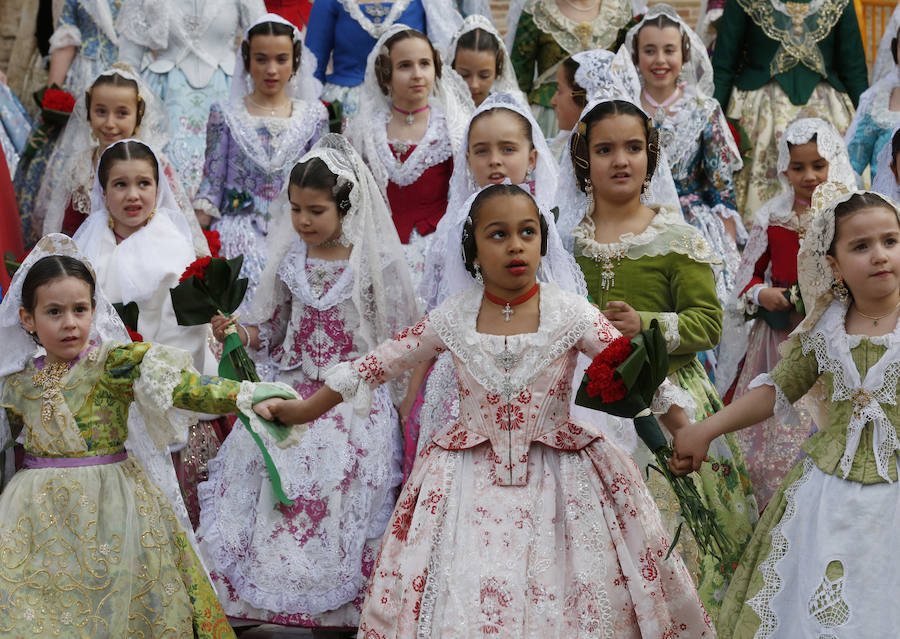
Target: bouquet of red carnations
[(622, 381), (56, 107)]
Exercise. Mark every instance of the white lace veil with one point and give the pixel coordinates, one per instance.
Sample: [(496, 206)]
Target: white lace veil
[(382, 291), (506, 81), (72, 163), (697, 72), (140, 268), (450, 94), (885, 78), (831, 147), (18, 348), (885, 182), (572, 201), (884, 59), (433, 287)]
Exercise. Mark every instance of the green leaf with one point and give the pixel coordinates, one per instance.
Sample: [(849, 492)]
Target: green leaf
[(128, 313)]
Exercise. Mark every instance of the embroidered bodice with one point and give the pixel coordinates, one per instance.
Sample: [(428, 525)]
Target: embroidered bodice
[(513, 390), (314, 323)]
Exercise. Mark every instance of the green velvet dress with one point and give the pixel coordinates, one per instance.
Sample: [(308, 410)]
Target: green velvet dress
[(665, 273), (96, 550)]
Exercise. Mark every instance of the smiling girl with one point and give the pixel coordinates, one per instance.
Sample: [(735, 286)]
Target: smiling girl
[(513, 472), (272, 118)]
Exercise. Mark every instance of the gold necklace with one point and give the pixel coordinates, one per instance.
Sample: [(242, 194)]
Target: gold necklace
[(873, 318), (271, 110)]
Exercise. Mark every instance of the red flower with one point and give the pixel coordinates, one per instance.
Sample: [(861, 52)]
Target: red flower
[(601, 372), (57, 100), (735, 134), (196, 268), (214, 242), (134, 335)]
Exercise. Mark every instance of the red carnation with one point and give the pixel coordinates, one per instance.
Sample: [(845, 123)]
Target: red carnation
[(196, 268), (214, 242), (734, 133), (134, 335), (57, 100)]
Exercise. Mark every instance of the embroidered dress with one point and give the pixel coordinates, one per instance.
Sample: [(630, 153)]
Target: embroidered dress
[(664, 273), (309, 564), (817, 563), (559, 535), (91, 546), (248, 160), (545, 37), (14, 126)]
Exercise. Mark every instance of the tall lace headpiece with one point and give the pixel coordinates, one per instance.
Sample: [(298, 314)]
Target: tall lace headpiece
[(72, 161)]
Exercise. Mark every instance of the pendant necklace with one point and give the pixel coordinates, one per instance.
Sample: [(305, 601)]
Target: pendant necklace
[(272, 110), (873, 317), (507, 309), (410, 115), (660, 107)]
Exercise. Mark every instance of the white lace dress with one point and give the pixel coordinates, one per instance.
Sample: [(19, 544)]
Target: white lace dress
[(516, 521), (307, 564)]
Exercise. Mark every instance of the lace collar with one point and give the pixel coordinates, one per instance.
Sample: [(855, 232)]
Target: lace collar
[(292, 272), (881, 107), (434, 147), (375, 30), (831, 345), (504, 367), (571, 36), (288, 137), (666, 233)]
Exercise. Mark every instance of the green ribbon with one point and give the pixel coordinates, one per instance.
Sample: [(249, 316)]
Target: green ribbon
[(227, 370)]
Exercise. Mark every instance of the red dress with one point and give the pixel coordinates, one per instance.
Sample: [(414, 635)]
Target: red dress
[(423, 203), (781, 252), (294, 11), (10, 225)]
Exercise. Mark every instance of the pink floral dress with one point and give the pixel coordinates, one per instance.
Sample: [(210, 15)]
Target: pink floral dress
[(516, 521)]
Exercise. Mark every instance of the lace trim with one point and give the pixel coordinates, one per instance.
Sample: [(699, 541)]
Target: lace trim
[(244, 403), (683, 127), (202, 204), (161, 370), (772, 581), (434, 147), (880, 112), (668, 395), (353, 9), (347, 381), (67, 35), (784, 410), (666, 233), (747, 301), (571, 36), (669, 324), (292, 272), (564, 318), (832, 351)]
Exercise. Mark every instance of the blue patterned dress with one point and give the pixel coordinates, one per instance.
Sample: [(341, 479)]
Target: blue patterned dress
[(872, 125), (14, 127)]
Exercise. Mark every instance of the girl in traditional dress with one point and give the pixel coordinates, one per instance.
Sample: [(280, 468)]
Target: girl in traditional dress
[(478, 55), (345, 32), (535, 502), (818, 563), (677, 91), (643, 263), (186, 52), (336, 284), (411, 120), (810, 152), (549, 31), (254, 139), (772, 60), (89, 526), (879, 105), (886, 182), (117, 106)]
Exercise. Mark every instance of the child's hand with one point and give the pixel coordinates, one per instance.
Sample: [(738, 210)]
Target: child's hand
[(624, 318), (680, 466), (691, 445), (266, 408), (205, 219), (219, 323), (293, 411), (773, 299)]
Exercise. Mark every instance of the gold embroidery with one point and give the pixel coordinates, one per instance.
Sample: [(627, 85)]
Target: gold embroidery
[(49, 379)]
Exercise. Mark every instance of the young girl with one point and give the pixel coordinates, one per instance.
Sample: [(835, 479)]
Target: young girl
[(559, 534), (118, 105), (816, 565), (773, 61), (254, 139), (92, 546), (140, 244), (335, 286), (643, 263), (677, 91), (810, 151), (407, 136), (478, 55)]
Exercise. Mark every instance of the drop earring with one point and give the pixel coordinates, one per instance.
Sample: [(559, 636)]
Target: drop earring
[(840, 290), (478, 277)]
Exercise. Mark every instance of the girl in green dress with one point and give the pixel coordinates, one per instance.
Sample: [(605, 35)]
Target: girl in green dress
[(90, 535), (822, 561), (643, 263)]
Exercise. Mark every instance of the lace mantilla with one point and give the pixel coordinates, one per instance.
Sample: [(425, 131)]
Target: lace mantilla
[(292, 272), (571, 36), (431, 150), (564, 319), (772, 581), (832, 351), (684, 129), (666, 233), (160, 374), (381, 24)]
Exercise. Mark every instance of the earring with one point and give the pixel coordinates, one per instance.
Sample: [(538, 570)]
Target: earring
[(478, 277), (110, 222), (646, 186), (840, 290), (589, 188), (529, 175)]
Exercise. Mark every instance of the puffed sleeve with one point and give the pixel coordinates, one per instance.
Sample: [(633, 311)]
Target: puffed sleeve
[(215, 167), (355, 380), (320, 33), (792, 378), (67, 32)]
